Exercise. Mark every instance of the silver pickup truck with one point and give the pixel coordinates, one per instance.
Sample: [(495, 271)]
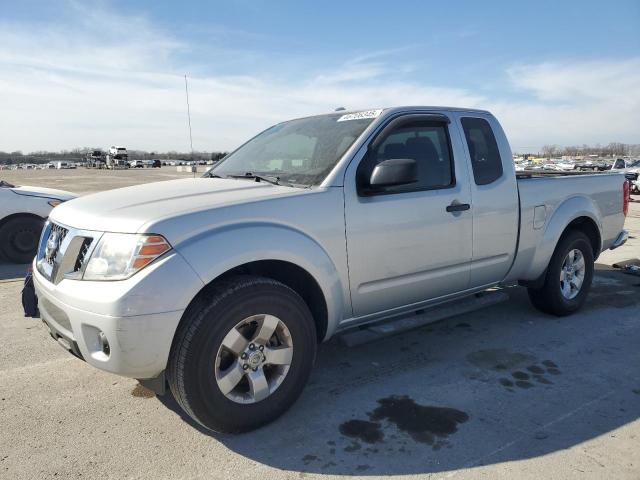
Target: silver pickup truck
[(223, 286)]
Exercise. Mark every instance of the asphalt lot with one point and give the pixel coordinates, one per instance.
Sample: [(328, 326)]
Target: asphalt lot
[(509, 393), (83, 181)]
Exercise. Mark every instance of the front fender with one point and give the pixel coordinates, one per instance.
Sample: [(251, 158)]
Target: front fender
[(219, 250), (561, 217)]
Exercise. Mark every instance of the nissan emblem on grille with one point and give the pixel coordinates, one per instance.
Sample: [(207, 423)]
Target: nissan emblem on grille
[(52, 246)]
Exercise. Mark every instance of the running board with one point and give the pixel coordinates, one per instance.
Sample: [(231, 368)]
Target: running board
[(377, 331)]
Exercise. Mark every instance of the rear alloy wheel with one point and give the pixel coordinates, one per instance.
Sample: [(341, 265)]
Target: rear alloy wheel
[(242, 354), (572, 274), (19, 238), (568, 277)]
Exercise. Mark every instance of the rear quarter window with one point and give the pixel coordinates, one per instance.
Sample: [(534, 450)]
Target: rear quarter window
[(483, 150)]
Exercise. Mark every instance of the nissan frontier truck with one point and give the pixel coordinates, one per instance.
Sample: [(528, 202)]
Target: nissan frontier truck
[(221, 287)]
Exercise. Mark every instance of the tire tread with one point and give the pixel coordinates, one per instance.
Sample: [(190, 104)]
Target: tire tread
[(196, 313), (548, 298)]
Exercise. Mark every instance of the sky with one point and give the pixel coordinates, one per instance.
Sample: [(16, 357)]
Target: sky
[(95, 74)]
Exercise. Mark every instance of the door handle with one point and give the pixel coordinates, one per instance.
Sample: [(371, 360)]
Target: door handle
[(458, 207)]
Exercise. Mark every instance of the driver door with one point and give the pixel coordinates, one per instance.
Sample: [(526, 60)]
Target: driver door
[(406, 244)]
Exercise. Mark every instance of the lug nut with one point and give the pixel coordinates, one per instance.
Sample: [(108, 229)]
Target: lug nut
[(261, 348), (245, 366), (243, 356), (252, 346)]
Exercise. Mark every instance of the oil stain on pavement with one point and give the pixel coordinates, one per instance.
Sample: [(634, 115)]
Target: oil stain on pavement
[(522, 367), (536, 372), (368, 432), (425, 424), (499, 359)]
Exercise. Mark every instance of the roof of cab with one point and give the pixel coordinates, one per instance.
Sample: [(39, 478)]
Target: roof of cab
[(391, 110), (434, 108)]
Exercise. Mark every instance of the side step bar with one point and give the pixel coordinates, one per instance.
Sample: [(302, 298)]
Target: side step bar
[(377, 331)]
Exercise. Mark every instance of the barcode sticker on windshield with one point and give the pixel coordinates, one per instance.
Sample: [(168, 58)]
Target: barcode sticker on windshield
[(360, 115)]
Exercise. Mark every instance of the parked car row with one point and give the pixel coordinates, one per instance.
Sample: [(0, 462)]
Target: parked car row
[(100, 160), (179, 163), (145, 164), (620, 164)]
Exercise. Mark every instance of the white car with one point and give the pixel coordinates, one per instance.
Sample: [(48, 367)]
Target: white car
[(23, 211)]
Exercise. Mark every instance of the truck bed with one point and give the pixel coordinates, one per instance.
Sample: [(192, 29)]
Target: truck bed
[(547, 197)]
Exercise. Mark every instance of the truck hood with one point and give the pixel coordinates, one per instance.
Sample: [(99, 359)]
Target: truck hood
[(44, 192), (128, 209)]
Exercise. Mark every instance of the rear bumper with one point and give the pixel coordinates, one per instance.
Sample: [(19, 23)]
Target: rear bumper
[(620, 239)]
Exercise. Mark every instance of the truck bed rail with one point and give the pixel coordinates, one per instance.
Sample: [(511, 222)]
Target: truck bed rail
[(556, 173)]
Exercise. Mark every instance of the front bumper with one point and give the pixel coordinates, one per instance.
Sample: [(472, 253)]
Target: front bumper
[(105, 323)]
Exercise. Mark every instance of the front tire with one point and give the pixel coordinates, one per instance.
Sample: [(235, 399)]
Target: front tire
[(19, 238), (568, 277), (242, 356)]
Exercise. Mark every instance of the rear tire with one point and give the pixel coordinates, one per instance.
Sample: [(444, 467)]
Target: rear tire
[(19, 238), (559, 295), (200, 357)]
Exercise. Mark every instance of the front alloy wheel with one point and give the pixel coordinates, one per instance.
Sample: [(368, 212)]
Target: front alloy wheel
[(254, 358), (233, 366)]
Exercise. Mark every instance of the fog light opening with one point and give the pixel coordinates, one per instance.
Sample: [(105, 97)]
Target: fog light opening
[(104, 343)]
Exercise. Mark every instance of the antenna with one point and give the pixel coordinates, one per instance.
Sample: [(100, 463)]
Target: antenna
[(186, 90)]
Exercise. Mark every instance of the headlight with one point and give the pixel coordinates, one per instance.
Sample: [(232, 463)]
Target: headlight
[(54, 203), (119, 255)]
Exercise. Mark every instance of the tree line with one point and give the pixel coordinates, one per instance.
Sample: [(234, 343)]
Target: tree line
[(79, 154), (613, 149)]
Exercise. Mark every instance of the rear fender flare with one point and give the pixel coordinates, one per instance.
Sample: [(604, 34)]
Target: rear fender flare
[(561, 217)]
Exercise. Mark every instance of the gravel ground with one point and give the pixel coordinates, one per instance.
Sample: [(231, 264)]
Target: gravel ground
[(502, 393)]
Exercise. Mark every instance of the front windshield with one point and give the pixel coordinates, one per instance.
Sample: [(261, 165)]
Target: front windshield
[(298, 152)]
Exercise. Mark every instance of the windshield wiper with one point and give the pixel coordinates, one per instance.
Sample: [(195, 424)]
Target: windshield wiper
[(272, 179)]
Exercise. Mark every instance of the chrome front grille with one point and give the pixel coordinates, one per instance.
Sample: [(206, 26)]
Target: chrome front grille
[(63, 251), (82, 254), (58, 233)]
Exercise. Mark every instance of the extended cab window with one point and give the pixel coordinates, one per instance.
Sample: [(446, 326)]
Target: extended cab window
[(427, 143), (483, 149)]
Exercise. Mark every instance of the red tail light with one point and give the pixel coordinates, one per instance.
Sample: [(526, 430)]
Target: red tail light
[(625, 198)]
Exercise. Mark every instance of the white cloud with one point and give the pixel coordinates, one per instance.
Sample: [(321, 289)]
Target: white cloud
[(580, 82), (109, 79), (574, 103)]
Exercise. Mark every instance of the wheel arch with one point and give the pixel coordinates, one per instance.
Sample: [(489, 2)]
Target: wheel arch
[(576, 213), (288, 273), (274, 251), (589, 227)]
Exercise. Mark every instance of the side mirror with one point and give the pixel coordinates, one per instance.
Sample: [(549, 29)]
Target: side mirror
[(393, 172)]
